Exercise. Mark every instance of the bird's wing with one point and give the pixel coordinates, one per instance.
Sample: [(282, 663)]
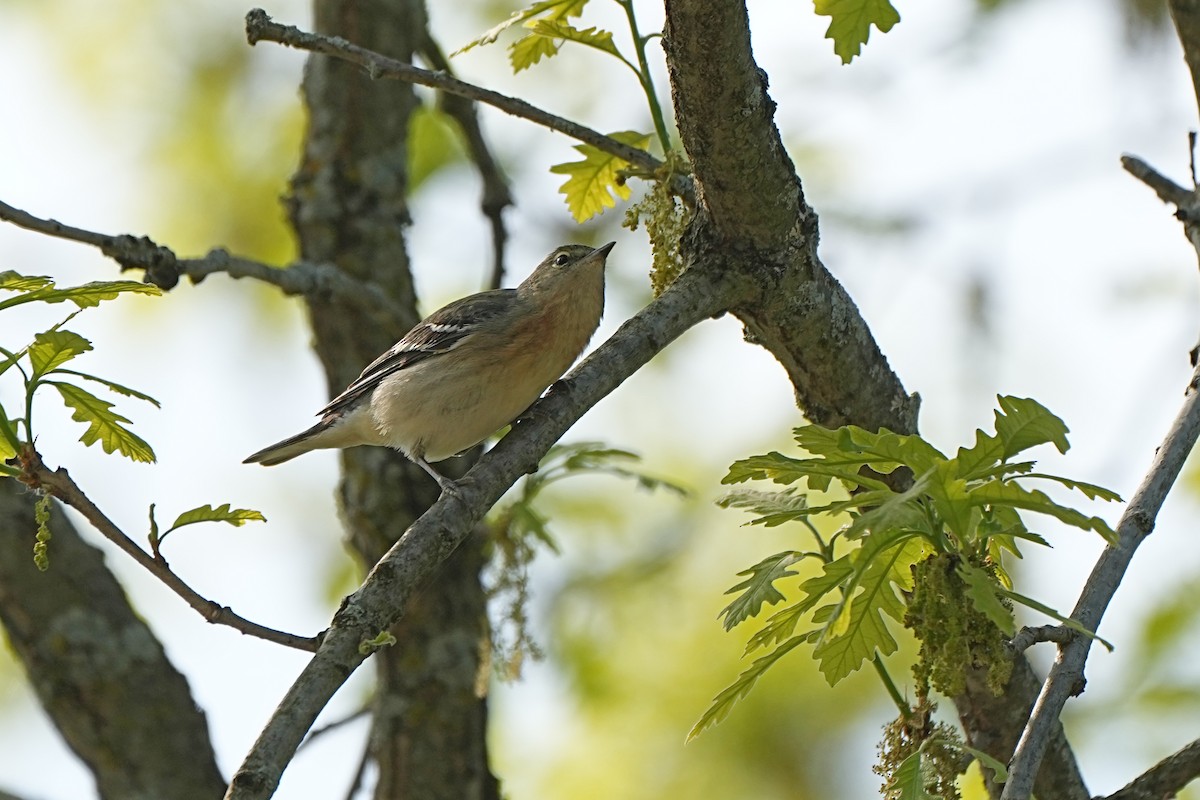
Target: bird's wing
[(440, 332)]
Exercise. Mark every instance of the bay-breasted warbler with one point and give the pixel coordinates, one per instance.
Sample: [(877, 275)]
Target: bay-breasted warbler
[(466, 370)]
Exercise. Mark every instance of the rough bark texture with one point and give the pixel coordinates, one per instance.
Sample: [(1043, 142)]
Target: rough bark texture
[(753, 221), (97, 669), (349, 208)]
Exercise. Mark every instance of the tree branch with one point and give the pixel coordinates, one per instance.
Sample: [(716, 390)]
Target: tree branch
[(380, 600), (260, 27), (1028, 636), (60, 485), (1165, 778), (1066, 675), (163, 268)]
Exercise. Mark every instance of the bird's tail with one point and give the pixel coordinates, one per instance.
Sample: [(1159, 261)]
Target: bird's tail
[(291, 447)]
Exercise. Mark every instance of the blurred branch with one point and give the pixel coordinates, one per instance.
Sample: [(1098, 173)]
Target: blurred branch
[(59, 484), (496, 194), (1165, 778), (1066, 676), (163, 268), (260, 27)]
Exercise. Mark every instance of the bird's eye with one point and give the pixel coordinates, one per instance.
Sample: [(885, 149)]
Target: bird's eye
[(561, 260)]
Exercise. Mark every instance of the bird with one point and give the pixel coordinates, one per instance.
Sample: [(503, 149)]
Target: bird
[(466, 370)]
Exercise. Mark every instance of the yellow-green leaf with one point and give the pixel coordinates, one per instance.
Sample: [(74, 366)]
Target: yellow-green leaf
[(529, 50), (549, 9), (85, 296), (52, 349), (592, 182), (15, 282), (104, 425), (206, 513), (851, 20)]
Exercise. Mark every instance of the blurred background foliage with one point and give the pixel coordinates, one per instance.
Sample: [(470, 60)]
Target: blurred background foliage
[(627, 614)]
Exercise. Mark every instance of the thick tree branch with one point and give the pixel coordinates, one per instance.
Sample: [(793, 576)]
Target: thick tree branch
[(381, 599), (1186, 15), (1066, 676), (163, 268), (1165, 778), (260, 27), (753, 213), (97, 669), (60, 485)]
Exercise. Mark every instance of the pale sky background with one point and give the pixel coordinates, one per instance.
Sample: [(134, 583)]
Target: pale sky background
[(1002, 141)]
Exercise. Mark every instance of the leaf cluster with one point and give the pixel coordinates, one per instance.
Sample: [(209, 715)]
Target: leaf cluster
[(897, 500), (43, 361)]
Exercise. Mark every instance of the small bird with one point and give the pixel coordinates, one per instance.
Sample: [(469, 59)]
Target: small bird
[(466, 370)]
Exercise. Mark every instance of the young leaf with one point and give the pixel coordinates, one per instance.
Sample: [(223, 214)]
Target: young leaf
[(104, 424), (851, 20), (592, 182), (52, 349), (125, 391), (776, 508), (1022, 423), (982, 589), (14, 282), (85, 296), (206, 513), (724, 702), (883, 451), (542, 41), (778, 627), (552, 9), (1090, 490), (908, 781), (855, 631), (529, 50), (816, 471), (1007, 493), (759, 587)]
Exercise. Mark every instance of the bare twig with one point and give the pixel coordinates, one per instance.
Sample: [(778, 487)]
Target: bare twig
[(59, 484), (496, 194), (1027, 637), (1165, 778), (260, 27), (337, 724), (1167, 190), (1136, 523), (163, 268)]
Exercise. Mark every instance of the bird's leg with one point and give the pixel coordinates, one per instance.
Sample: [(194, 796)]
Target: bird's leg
[(442, 481)]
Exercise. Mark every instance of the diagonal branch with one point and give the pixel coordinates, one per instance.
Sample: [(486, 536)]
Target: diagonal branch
[(59, 484), (1165, 778), (163, 268), (1066, 676), (379, 602), (260, 27)]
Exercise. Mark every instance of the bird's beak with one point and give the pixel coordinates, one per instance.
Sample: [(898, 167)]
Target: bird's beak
[(602, 252)]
